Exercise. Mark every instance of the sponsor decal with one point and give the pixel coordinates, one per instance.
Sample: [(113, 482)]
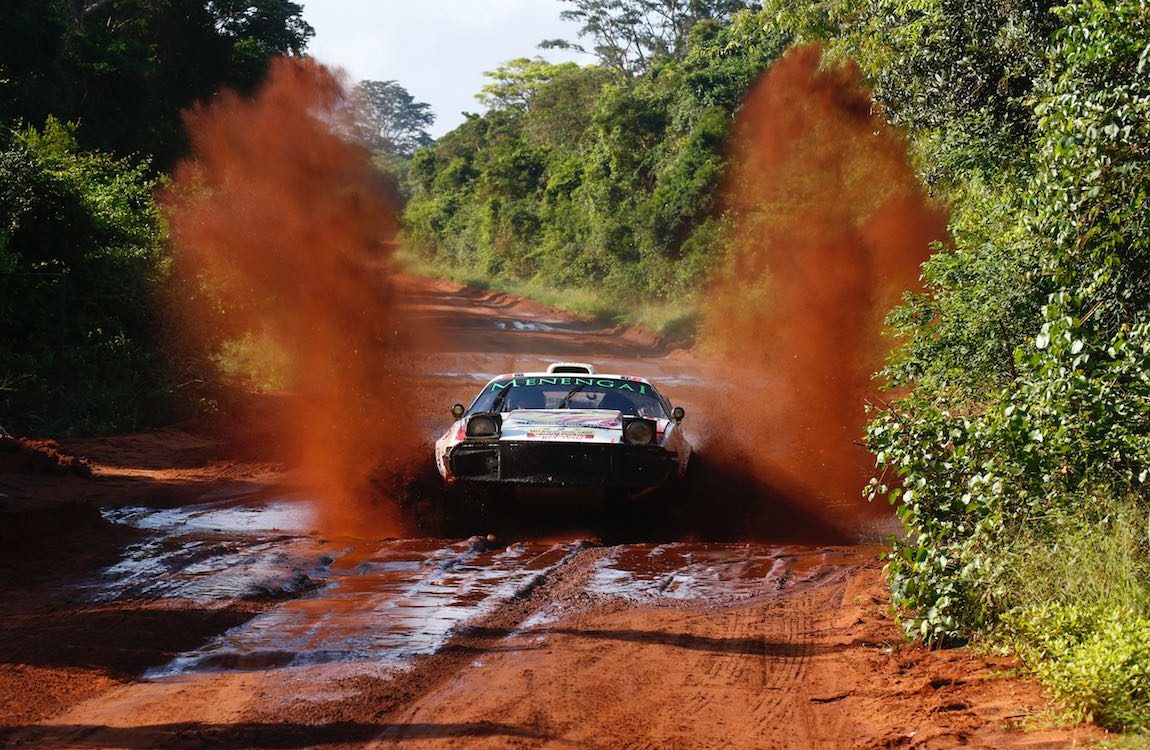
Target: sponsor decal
[(559, 433), (565, 418), (618, 385)]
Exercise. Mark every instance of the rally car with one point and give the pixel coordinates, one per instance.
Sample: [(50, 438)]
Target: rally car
[(566, 427)]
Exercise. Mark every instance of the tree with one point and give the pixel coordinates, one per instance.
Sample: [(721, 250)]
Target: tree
[(388, 119), (81, 252), (629, 35), (125, 70), (514, 83)]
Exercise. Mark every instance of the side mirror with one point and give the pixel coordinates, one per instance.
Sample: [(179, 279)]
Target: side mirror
[(457, 411), (677, 414)]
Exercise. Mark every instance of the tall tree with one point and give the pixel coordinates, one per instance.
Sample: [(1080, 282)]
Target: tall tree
[(628, 35), (387, 118), (515, 83), (124, 70)]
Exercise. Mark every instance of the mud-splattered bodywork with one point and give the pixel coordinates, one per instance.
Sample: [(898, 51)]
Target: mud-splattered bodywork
[(566, 430)]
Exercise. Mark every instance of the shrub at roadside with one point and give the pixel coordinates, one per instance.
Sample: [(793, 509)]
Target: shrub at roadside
[(1079, 611), (1046, 455), (1093, 660), (81, 250)]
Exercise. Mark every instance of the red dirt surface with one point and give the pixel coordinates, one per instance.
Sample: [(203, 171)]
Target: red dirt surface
[(55, 649), (691, 644), (21, 455)]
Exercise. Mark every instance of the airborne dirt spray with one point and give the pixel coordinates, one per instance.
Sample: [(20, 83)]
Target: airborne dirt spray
[(830, 227), (283, 231)]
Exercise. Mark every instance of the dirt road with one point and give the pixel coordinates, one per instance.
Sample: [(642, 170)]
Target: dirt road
[(201, 608)]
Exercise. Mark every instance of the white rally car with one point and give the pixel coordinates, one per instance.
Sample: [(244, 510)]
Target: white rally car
[(566, 427)]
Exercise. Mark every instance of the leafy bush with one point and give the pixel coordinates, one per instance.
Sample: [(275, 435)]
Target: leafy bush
[(1095, 661), (1020, 461), (81, 251), (1074, 426)]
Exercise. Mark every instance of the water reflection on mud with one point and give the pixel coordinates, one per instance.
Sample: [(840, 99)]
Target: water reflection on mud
[(345, 599), (719, 573), (213, 552), (387, 602), (380, 603)]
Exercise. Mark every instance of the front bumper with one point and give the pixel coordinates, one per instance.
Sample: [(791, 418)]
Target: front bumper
[(561, 464)]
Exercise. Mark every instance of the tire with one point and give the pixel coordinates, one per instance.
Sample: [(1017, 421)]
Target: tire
[(467, 508), (625, 517)]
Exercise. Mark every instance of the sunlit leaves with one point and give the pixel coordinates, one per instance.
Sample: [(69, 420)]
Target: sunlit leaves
[(1069, 420)]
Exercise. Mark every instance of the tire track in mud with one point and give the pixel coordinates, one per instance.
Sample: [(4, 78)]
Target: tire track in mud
[(775, 670), (270, 708), (786, 688), (383, 700), (695, 673)]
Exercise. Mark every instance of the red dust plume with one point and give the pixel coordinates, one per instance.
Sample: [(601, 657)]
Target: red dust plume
[(283, 229), (831, 226)]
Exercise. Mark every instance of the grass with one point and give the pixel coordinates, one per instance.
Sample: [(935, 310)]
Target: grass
[(1080, 615), (1132, 741)]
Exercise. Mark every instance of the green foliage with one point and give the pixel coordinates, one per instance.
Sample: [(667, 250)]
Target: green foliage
[(1019, 461), (983, 296), (1094, 661), (1073, 427), (1091, 197), (82, 257), (959, 74), (515, 83), (81, 254), (124, 70), (578, 177)]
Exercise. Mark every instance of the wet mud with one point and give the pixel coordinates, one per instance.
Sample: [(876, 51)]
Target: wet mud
[(226, 615)]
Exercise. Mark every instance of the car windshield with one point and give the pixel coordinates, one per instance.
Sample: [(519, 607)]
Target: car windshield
[(616, 394)]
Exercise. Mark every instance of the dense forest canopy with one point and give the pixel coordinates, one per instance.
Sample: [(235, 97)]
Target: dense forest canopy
[(581, 175), (124, 70)]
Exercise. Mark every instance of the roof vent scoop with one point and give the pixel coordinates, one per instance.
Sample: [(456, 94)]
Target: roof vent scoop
[(578, 368)]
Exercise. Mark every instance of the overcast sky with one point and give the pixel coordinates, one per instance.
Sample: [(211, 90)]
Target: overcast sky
[(436, 49)]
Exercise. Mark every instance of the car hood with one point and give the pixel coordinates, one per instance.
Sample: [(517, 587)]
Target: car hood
[(567, 425)]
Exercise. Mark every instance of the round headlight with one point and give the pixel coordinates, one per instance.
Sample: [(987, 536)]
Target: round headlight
[(638, 433), (482, 426)]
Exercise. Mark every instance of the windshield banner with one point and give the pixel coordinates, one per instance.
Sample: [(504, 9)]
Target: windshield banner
[(618, 385)]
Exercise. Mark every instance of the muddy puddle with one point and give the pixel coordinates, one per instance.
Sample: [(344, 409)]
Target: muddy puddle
[(384, 604), (344, 599), (719, 573), (380, 604), (714, 573), (213, 553)]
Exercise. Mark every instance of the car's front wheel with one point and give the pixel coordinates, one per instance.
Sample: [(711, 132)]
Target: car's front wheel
[(625, 517)]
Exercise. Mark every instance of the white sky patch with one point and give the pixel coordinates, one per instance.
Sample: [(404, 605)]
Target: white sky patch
[(436, 49)]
